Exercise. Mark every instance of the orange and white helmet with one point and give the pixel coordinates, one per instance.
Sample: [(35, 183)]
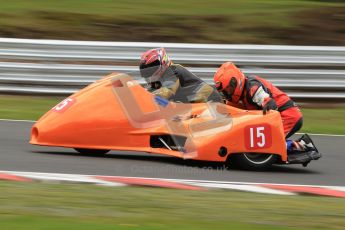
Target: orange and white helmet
[(230, 81), (153, 64)]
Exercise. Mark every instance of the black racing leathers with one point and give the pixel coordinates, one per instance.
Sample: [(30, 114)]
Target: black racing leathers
[(179, 84)]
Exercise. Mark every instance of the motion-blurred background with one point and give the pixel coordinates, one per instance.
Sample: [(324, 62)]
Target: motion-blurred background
[(302, 22)]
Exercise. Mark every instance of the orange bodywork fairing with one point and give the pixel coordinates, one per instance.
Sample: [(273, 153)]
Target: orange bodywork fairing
[(119, 114)]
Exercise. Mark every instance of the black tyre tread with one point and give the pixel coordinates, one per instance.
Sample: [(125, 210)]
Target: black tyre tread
[(240, 161)]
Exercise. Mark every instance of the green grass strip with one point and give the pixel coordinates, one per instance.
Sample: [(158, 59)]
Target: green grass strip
[(75, 206)]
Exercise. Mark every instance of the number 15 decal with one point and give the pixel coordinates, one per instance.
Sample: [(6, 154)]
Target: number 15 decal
[(258, 136)]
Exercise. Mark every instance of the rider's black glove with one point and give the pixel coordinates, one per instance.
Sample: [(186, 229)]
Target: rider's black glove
[(156, 85), (271, 104)]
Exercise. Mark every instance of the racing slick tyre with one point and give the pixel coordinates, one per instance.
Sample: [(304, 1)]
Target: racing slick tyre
[(254, 161), (92, 152)]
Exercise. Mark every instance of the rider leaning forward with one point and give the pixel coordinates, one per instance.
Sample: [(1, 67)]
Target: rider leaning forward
[(172, 81), (256, 93)]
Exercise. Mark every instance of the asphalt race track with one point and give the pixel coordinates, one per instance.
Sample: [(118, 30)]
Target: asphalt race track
[(16, 154)]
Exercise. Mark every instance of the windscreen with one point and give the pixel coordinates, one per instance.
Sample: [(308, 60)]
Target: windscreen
[(176, 125)]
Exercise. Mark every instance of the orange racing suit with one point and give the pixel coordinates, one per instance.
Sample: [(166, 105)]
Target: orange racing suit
[(259, 93)]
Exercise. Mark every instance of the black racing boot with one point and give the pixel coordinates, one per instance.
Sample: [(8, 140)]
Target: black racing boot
[(305, 152), (306, 142)]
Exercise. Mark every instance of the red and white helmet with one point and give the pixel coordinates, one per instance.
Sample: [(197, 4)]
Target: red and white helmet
[(230, 81), (153, 64)]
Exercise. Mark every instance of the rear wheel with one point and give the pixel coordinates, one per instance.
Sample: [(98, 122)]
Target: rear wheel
[(92, 152), (254, 161)]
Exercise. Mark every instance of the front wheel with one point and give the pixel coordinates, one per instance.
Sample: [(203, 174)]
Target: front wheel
[(92, 152), (254, 161)]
